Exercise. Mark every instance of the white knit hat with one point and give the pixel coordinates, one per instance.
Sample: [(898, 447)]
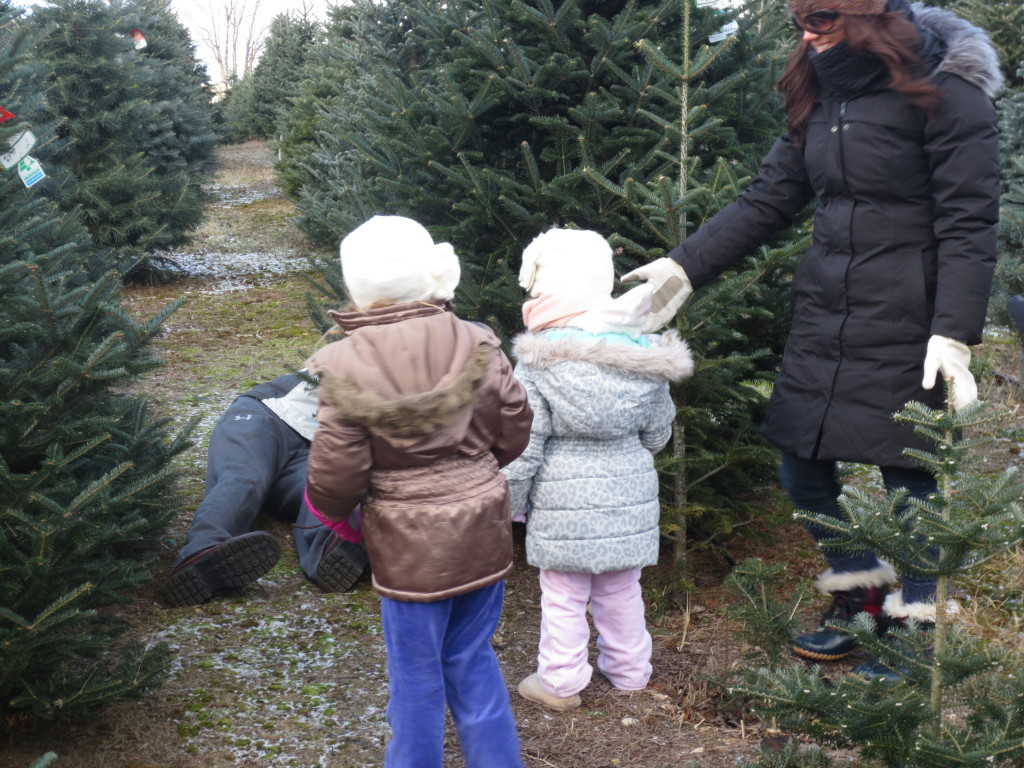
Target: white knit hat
[(569, 263), (392, 260)]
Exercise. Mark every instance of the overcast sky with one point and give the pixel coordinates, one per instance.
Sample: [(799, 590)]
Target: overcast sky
[(196, 15)]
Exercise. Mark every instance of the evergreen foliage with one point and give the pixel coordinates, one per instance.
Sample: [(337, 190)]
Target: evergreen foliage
[(278, 75), (490, 122), (1004, 22), (134, 124), (958, 701), (255, 106), (182, 97), (231, 113), (1009, 277), (85, 479), (768, 622), (319, 92)]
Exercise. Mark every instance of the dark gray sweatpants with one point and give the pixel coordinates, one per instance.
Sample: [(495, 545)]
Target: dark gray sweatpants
[(256, 464)]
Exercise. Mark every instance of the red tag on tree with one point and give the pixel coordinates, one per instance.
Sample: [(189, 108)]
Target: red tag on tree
[(5, 115)]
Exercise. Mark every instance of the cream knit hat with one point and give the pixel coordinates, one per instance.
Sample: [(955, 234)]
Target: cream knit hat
[(392, 260), (571, 264)]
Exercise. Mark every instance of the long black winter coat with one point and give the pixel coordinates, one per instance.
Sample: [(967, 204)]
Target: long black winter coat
[(904, 247)]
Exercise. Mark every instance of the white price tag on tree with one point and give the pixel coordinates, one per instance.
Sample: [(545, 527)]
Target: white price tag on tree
[(20, 146)]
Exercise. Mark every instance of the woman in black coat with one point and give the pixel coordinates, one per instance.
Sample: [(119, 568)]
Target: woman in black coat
[(892, 128)]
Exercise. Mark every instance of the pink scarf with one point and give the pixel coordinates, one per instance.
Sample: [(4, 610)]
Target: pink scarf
[(626, 314), (550, 311)]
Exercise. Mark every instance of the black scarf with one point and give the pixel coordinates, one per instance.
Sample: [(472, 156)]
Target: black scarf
[(844, 73)]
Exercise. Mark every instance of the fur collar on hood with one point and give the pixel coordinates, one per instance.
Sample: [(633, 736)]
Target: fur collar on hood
[(419, 414), (969, 52), (668, 357)]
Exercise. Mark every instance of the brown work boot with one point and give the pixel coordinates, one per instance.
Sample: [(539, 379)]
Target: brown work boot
[(236, 563), (341, 565)]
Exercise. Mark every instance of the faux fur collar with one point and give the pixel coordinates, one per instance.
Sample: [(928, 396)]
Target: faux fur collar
[(419, 414), (668, 357), (969, 52)]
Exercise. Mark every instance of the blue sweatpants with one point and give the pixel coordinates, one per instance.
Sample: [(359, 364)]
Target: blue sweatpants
[(441, 653)]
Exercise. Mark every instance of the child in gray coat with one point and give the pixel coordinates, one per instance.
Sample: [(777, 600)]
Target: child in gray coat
[(599, 391)]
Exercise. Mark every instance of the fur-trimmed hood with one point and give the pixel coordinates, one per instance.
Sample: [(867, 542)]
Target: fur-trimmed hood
[(414, 414), (969, 52), (667, 356), (406, 369)]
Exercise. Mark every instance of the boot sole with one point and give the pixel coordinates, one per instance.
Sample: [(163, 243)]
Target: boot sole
[(815, 656), (341, 567), (235, 564)]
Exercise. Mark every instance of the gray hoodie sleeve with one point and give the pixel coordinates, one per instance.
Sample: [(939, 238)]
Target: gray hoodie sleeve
[(658, 430), (520, 473)]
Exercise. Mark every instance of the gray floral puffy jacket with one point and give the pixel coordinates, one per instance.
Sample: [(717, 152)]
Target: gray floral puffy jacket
[(601, 410)]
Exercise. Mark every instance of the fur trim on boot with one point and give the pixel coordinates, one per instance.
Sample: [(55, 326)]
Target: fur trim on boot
[(830, 582), (895, 608)]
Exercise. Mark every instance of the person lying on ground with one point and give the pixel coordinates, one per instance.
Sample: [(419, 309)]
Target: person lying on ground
[(256, 465)]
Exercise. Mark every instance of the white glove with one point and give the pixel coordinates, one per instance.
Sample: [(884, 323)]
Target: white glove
[(952, 358), (671, 288)]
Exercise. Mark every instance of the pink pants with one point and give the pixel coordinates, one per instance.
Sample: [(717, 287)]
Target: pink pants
[(623, 643)]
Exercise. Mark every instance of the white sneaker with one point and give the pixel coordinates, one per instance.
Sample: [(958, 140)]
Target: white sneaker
[(530, 688)]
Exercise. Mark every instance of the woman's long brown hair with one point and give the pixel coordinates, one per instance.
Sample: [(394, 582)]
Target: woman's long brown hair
[(891, 37)]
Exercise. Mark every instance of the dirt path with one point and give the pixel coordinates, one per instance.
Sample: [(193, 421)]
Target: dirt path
[(283, 675)]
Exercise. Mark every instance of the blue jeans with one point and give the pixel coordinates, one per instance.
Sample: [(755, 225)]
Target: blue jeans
[(812, 485), (440, 653)]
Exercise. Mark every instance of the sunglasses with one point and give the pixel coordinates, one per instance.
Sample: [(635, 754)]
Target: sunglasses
[(818, 22)]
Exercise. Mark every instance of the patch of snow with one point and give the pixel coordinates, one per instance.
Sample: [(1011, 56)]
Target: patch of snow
[(232, 264), (286, 709), (239, 194), (230, 271)]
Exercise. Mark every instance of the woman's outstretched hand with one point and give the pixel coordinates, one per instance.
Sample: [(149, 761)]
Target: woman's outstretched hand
[(671, 288)]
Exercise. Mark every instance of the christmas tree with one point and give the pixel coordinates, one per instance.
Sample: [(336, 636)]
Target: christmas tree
[(255, 105), (132, 170), (954, 700), (85, 479), (180, 147), (279, 73), (490, 122), (318, 92)]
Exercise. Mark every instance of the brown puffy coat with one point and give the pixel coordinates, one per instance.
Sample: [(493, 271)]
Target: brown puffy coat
[(418, 410)]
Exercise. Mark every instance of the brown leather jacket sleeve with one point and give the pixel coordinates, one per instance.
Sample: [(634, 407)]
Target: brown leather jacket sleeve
[(516, 414), (338, 472)]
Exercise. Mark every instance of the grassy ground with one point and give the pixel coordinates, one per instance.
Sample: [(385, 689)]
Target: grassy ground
[(283, 675)]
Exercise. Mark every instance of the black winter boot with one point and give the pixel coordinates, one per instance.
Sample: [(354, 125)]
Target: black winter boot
[(852, 593), (896, 613), (876, 670)]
